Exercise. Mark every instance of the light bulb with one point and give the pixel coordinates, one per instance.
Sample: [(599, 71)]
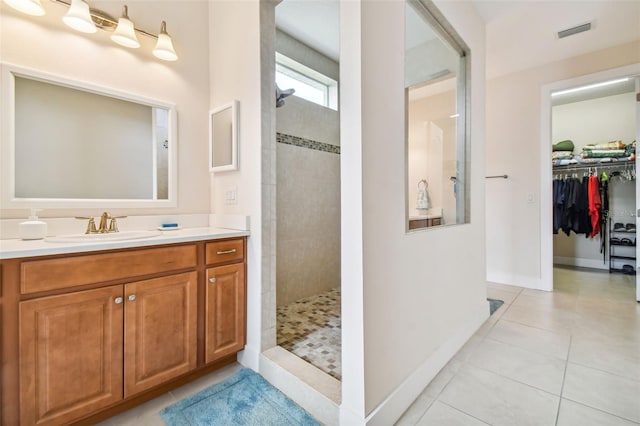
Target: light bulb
[(164, 48), (79, 17)]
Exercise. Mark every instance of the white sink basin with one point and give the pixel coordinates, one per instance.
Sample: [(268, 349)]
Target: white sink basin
[(114, 236)]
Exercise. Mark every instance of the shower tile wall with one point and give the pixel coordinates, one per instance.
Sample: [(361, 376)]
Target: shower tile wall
[(308, 222)]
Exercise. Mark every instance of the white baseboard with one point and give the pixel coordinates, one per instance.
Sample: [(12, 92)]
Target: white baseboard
[(392, 408), (534, 283), (249, 358), (580, 262)]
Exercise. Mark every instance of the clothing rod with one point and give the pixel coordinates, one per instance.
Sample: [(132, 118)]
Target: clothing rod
[(625, 164), (497, 176)]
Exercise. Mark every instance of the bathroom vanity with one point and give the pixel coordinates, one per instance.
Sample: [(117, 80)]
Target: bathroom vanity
[(89, 330)]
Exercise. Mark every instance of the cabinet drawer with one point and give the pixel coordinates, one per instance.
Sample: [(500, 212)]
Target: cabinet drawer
[(225, 251), (52, 274)]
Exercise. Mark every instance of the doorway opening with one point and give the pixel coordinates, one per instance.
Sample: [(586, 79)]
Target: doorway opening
[(308, 317), (593, 124)]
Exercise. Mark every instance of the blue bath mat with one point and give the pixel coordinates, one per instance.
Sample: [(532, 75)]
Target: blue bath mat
[(494, 304), (243, 399)]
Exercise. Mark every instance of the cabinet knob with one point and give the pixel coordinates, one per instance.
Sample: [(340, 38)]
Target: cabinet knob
[(212, 280), (118, 300), (132, 297)]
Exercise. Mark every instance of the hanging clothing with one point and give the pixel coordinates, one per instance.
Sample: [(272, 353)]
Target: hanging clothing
[(595, 204), (571, 206), (558, 204)]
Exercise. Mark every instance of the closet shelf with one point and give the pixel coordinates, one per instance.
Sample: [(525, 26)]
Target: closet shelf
[(622, 271), (586, 166), (623, 257), (614, 257)]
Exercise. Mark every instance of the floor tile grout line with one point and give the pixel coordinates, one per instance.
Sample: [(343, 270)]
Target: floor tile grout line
[(604, 371), (601, 410), (538, 328), (523, 349), (532, 326), (564, 378), (463, 412), (516, 381), (426, 409)]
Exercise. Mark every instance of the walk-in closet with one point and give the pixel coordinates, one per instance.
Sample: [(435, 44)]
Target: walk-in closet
[(594, 176)]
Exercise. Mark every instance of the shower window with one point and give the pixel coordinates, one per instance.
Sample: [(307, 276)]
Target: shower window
[(308, 84), (437, 143)]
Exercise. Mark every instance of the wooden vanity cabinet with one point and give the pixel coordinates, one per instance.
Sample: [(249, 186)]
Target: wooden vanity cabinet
[(84, 351), (225, 295), (72, 346), (160, 321), (70, 355)]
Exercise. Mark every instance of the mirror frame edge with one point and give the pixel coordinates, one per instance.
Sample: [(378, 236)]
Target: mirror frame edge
[(235, 164), (8, 72)]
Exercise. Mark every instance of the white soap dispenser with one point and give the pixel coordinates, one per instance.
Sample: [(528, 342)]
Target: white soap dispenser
[(33, 229)]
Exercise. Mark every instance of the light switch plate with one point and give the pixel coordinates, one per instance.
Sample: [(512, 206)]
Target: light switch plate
[(231, 195)]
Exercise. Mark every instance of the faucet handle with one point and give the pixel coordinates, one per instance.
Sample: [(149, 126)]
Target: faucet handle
[(91, 226), (113, 225)]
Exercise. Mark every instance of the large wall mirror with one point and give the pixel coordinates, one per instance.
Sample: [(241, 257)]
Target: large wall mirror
[(436, 127), (68, 144)]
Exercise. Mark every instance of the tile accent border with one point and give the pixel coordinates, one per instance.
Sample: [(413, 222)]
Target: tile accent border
[(307, 143)]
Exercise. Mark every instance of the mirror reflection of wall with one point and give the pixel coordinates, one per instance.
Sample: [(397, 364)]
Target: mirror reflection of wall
[(67, 141), (435, 107), (161, 127), (78, 143), (221, 123)]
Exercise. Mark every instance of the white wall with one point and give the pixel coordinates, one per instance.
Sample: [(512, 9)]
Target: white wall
[(590, 122), (235, 58), (513, 148), (46, 44), (418, 304)]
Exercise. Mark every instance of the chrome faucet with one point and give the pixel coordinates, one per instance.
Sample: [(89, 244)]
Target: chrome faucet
[(102, 228)]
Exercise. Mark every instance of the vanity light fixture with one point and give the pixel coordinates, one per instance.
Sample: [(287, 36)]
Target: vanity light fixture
[(83, 18), (78, 17), (164, 48), (125, 34), (30, 7)]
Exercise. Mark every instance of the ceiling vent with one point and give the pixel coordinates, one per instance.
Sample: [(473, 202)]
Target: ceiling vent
[(575, 30)]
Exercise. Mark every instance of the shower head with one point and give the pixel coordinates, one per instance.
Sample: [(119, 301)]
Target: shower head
[(281, 94)]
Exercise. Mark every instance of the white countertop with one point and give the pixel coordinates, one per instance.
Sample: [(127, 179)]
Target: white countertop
[(13, 248)]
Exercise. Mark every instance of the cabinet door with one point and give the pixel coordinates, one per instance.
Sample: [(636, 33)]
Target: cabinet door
[(225, 311), (160, 330), (70, 355)]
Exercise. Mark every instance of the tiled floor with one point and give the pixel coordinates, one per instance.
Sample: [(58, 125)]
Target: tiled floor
[(567, 358), (310, 329), (148, 414)]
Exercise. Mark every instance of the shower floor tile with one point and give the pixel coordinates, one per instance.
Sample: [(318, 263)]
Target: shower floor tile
[(310, 328)]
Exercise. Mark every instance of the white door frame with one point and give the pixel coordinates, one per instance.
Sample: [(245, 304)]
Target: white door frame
[(546, 183), (637, 184)]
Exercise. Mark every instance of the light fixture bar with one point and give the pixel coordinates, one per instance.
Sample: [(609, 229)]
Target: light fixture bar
[(109, 23), (590, 86)]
